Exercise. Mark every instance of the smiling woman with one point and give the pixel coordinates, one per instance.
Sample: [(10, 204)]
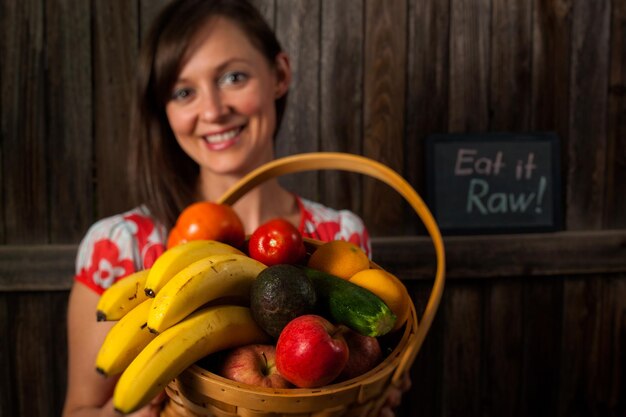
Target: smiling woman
[(212, 82), (222, 109)]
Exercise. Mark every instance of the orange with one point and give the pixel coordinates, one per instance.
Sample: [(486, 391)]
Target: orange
[(339, 258), (389, 288), (206, 220)]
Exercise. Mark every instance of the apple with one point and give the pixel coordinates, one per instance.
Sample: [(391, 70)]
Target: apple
[(253, 365), (311, 351), (364, 354)]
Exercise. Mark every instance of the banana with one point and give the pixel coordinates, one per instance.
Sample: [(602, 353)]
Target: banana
[(125, 340), (213, 277), (204, 332), (178, 257), (122, 296)]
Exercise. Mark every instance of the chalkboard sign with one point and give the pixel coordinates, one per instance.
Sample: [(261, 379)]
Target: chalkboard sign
[(494, 182)]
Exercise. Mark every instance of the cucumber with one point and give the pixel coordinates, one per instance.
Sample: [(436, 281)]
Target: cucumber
[(351, 305)]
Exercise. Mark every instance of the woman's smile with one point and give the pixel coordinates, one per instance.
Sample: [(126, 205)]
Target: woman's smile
[(223, 140)]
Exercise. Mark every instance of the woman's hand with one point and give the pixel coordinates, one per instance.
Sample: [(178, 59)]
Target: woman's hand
[(394, 397), (89, 394), (153, 409)]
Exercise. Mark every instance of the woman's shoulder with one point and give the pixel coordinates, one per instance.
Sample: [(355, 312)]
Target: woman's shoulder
[(118, 245), (325, 223)]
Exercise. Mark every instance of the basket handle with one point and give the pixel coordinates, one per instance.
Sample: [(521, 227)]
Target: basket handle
[(359, 164)]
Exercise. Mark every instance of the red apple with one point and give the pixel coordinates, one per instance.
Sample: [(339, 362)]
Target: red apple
[(365, 354), (311, 351), (253, 365)]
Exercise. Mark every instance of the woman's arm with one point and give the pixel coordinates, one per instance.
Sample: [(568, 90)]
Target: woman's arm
[(89, 393)]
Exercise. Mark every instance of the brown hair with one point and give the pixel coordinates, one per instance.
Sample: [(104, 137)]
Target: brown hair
[(162, 175)]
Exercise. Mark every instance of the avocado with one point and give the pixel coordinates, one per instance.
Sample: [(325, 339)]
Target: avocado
[(279, 294)]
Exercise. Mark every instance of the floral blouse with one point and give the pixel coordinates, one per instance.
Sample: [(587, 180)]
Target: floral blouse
[(117, 246)]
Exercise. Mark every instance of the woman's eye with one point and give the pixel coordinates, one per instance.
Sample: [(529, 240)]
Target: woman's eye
[(181, 93), (232, 78)]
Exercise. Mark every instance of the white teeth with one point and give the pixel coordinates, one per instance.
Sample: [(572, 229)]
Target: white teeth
[(221, 137)]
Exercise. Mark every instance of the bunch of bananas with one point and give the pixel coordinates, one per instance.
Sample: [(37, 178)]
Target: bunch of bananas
[(172, 315)]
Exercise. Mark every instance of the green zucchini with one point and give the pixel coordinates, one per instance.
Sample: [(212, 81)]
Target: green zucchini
[(351, 305)]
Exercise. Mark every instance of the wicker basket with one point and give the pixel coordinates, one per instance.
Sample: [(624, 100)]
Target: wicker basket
[(198, 392)]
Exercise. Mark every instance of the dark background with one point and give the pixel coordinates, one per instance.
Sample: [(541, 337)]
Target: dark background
[(529, 325)]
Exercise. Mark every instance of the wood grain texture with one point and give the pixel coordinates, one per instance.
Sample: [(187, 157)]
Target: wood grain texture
[(612, 347), (427, 83), (551, 70), (33, 353), (37, 267), (4, 56), (23, 125), (341, 97), (609, 364), (148, 11), (468, 102), (69, 87), (503, 345), (587, 145), (587, 155), (7, 357), (582, 301), (426, 394), (463, 350), (298, 29), (542, 317), (115, 49), (511, 57), (33, 395), (550, 254), (384, 101), (615, 204)]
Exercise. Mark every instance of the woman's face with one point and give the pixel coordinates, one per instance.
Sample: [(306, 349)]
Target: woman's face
[(222, 107)]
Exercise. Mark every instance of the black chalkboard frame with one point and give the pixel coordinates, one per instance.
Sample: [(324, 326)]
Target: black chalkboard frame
[(551, 138)]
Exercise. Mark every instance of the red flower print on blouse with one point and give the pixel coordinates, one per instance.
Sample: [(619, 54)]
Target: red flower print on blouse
[(106, 267), (143, 228), (328, 230), (150, 253), (150, 249), (356, 239)]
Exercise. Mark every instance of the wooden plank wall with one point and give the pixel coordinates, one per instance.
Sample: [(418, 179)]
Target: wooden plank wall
[(530, 325)]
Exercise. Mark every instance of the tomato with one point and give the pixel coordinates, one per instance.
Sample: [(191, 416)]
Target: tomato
[(207, 221), (276, 242)]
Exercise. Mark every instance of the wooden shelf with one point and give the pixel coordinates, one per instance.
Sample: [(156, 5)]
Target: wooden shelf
[(489, 256), (50, 267)]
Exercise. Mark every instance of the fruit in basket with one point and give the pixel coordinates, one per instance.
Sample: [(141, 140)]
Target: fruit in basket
[(204, 332), (389, 288), (206, 220), (206, 280), (339, 258), (279, 294), (277, 242), (352, 305), (124, 341), (311, 351), (175, 259), (364, 354), (122, 296), (253, 365)]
